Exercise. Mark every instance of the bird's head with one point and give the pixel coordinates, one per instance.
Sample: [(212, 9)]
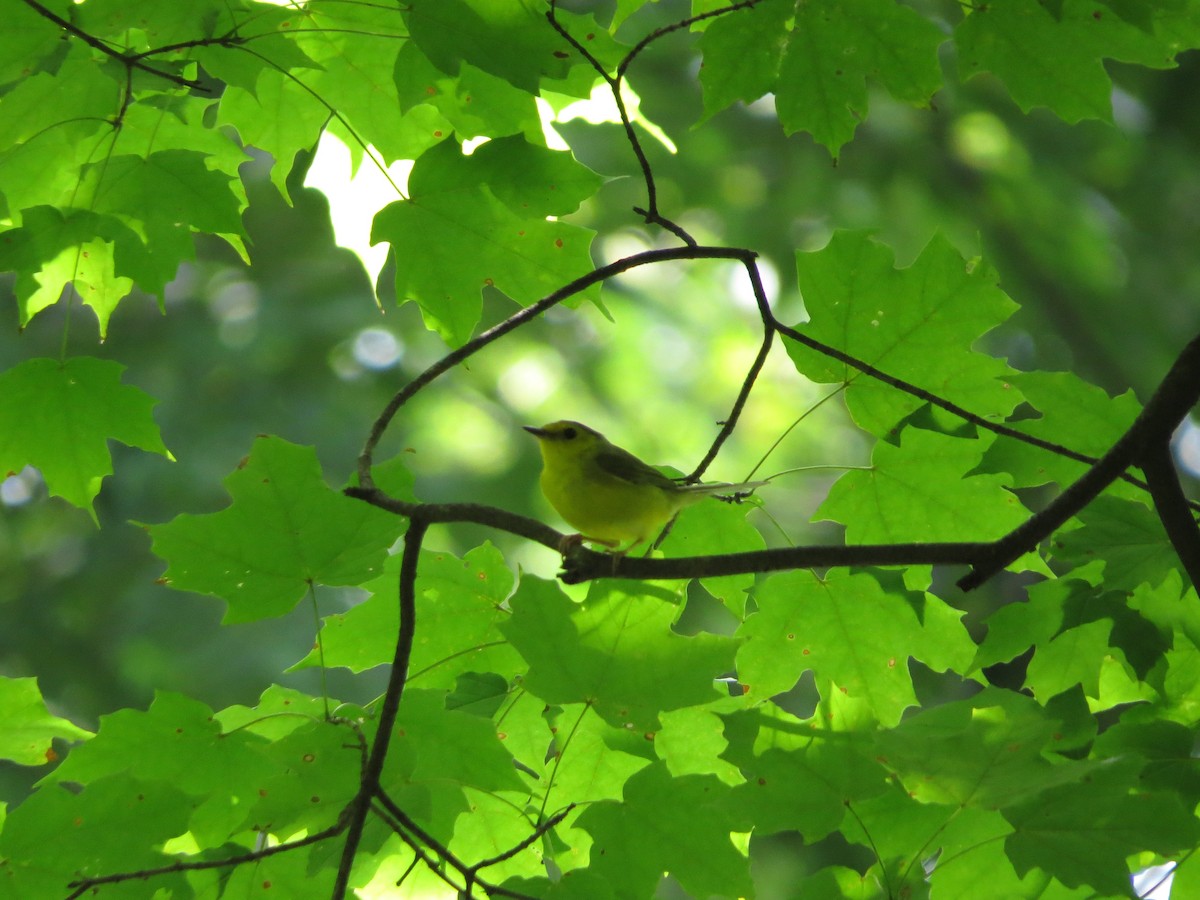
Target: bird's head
[(565, 439)]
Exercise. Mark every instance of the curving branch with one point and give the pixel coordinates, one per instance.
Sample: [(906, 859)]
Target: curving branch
[(1149, 436), (517, 319), (356, 812), (1172, 506), (130, 61), (88, 885)]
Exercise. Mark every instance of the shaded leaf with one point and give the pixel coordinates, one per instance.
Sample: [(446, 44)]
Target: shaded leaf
[(678, 825), (459, 614), (918, 324), (59, 417), (285, 532), (452, 238), (615, 650)]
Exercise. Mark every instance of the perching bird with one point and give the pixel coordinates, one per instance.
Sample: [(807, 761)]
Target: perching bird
[(610, 495)]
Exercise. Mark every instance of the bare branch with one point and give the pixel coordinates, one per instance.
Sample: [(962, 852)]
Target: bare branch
[(1177, 393), (1159, 468), (129, 61), (385, 725), (473, 346), (84, 885)]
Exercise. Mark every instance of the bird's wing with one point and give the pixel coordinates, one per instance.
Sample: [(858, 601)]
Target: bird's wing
[(624, 465)]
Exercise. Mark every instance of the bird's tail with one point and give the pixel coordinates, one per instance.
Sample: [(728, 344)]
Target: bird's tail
[(722, 488)]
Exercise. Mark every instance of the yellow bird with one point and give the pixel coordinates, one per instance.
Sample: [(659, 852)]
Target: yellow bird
[(610, 495)]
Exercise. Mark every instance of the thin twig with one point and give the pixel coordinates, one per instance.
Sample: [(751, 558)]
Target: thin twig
[(953, 408), (677, 26), (127, 60), (84, 885), (473, 346), (651, 212), (408, 824), (528, 842), (751, 378), (407, 831), (385, 724)]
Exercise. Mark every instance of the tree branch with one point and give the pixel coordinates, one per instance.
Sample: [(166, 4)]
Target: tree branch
[(731, 420), (473, 346), (369, 785), (651, 213), (586, 565), (469, 873), (1159, 468), (84, 885), (1176, 394), (127, 60)]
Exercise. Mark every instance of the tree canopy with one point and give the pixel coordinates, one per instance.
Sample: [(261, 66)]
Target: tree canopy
[(925, 267)]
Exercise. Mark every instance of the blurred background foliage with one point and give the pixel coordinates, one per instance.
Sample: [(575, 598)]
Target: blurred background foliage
[(1092, 227)]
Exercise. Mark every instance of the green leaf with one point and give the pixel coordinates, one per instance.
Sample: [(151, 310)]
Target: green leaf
[(916, 324), (45, 171), (835, 46), (279, 712), (1015, 627), (510, 40), (807, 790), (76, 100), (478, 693), (27, 727), (277, 116), (284, 533), (443, 746), (51, 252), (155, 22), (615, 650), (692, 740), (297, 873), (920, 491), (1127, 536), (587, 761), (1169, 607), (459, 613), (1072, 657), (678, 825), (973, 863), (819, 66), (990, 751), (113, 825), (175, 741), (453, 237), (314, 774), (1083, 833), (741, 53), (902, 834), (169, 186), (28, 40), (1075, 414), (474, 102), (59, 417), (530, 180), (712, 528), (1052, 61), (845, 628)]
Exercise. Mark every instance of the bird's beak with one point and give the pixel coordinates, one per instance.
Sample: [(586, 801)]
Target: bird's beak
[(536, 432)]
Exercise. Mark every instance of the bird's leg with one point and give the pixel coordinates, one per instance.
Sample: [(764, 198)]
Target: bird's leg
[(571, 542)]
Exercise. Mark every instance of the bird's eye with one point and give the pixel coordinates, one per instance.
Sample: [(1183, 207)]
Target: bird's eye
[(569, 433)]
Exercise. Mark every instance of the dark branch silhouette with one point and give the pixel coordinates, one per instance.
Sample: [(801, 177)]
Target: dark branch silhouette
[(130, 61)]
